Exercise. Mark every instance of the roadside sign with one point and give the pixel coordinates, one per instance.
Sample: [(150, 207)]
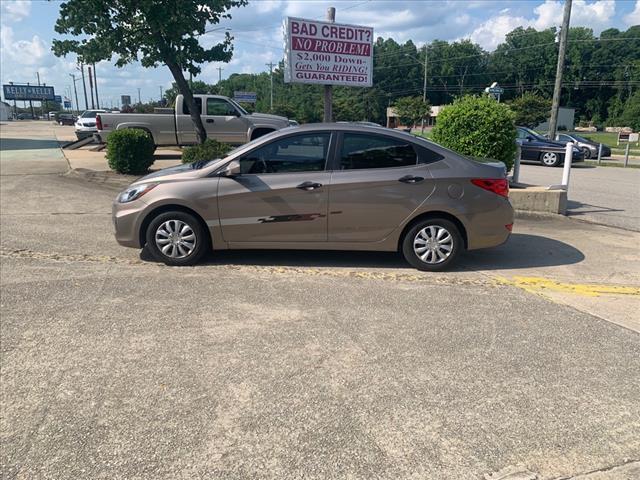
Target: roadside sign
[(67, 104), (246, 97), (57, 98), (328, 53), (634, 137), (28, 92), (125, 100)]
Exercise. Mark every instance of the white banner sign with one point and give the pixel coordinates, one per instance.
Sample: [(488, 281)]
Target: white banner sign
[(328, 53)]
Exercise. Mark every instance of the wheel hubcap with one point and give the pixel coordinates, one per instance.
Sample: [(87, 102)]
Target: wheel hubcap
[(175, 239), (549, 158), (433, 244)]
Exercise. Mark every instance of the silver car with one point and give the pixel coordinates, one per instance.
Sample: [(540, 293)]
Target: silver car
[(321, 186)]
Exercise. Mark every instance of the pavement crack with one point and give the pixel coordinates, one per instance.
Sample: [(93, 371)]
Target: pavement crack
[(634, 464)]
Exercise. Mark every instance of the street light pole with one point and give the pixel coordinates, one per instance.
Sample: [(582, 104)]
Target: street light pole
[(75, 90), (424, 82)]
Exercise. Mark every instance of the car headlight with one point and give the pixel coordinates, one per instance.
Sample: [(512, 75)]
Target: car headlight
[(135, 192)]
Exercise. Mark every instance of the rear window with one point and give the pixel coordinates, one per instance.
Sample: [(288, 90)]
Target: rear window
[(363, 151), (185, 109)]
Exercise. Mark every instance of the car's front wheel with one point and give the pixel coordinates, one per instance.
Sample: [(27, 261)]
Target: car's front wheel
[(177, 238), (587, 152), (550, 159), (432, 244)]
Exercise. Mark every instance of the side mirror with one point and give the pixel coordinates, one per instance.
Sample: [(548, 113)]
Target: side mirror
[(231, 170), (529, 138)]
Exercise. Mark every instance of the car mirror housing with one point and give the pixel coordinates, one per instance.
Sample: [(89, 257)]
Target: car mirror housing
[(231, 170)]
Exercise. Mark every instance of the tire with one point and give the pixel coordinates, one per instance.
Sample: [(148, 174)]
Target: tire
[(550, 159), (587, 152), (180, 250), (419, 237)]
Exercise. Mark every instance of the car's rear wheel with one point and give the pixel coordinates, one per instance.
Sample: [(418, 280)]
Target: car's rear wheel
[(177, 238), (432, 244), (587, 152), (550, 159)]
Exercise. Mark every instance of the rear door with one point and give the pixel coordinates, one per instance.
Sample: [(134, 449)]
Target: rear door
[(377, 182), (281, 194)]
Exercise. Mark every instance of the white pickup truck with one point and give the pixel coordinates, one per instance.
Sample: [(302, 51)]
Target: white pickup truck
[(223, 119)]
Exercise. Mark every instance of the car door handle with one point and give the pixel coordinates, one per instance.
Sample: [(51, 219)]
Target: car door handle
[(309, 186), (410, 179), (209, 120)]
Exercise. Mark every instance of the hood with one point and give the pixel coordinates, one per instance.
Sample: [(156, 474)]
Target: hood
[(267, 116), (180, 172)]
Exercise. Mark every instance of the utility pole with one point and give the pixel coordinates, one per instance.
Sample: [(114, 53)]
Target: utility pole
[(270, 65), (41, 101), (555, 104), (328, 90), (139, 101), (95, 82), (160, 94), (91, 86), (220, 74), (75, 90), (84, 88)]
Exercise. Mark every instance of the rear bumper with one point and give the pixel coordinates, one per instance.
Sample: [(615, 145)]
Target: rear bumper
[(489, 228)]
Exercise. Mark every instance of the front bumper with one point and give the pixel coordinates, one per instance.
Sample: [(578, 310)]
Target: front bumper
[(127, 218)]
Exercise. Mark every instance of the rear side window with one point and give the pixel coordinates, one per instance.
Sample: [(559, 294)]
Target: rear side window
[(185, 109), (360, 151)]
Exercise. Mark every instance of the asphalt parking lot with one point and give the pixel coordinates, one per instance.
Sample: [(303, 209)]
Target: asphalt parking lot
[(307, 365)]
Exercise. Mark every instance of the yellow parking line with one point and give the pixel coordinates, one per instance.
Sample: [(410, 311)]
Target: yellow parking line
[(540, 285)]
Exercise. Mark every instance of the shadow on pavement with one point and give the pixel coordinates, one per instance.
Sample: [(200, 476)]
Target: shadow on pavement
[(26, 144), (521, 251), (583, 208)]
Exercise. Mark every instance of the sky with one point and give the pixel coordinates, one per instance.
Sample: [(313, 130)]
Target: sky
[(27, 31)]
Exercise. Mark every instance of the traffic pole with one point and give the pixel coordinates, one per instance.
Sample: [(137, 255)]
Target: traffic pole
[(599, 153), (328, 90)]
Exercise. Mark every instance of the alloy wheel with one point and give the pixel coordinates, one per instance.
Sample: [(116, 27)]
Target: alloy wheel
[(433, 244), (175, 239), (550, 159)]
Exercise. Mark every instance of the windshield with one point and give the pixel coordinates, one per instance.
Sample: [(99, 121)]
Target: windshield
[(90, 113), (581, 139), (534, 134), (239, 107)]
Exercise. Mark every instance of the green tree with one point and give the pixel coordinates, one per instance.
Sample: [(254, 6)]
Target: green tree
[(411, 110), (631, 114), (152, 31), (196, 87), (530, 109), (479, 127)]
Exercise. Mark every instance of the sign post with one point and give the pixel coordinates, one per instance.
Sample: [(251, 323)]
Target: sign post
[(328, 53), (495, 90)]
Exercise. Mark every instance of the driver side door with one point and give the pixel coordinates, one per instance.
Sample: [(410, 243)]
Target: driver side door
[(281, 194), (223, 122)]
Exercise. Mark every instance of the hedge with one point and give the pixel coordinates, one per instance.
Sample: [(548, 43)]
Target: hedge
[(130, 151), (209, 150), (478, 127)]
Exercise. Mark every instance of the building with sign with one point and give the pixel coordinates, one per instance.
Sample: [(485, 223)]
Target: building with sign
[(5, 111), (393, 121)]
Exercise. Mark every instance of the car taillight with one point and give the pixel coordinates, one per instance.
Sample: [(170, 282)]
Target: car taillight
[(499, 186), (98, 122)]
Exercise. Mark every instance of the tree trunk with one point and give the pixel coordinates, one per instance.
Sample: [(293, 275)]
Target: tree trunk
[(183, 88)]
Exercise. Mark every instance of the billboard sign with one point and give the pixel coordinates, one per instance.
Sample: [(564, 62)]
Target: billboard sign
[(328, 53), (28, 92), (57, 98), (125, 100), (246, 97)]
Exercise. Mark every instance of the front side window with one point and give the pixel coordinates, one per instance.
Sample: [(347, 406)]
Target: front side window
[(218, 106), (297, 153), (361, 151), (565, 138)]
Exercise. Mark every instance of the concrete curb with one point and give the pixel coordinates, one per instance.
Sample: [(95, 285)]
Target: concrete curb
[(539, 199)]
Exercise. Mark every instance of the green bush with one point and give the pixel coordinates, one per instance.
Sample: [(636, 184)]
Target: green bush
[(209, 150), (478, 127), (130, 151)]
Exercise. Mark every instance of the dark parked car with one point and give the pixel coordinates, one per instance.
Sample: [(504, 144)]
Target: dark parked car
[(538, 149), (588, 147), (66, 119), (26, 116), (324, 186)]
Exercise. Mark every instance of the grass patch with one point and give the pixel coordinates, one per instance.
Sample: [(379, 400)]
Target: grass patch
[(611, 164)]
